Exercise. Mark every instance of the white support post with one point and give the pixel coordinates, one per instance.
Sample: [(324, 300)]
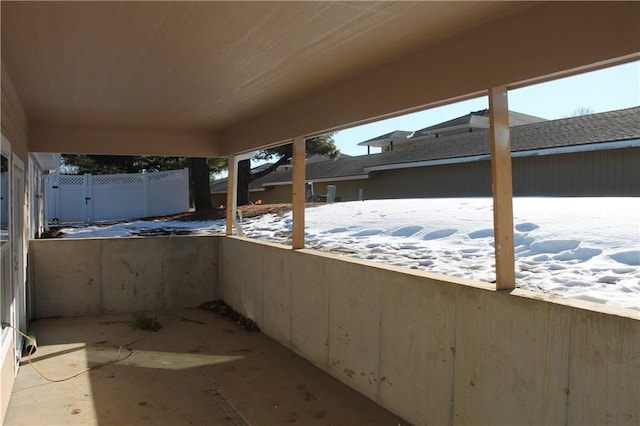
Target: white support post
[(298, 188), (55, 188), (502, 187), (145, 193), (88, 190)]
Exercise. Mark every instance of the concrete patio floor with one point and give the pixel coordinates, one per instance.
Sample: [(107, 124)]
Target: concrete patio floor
[(199, 368)]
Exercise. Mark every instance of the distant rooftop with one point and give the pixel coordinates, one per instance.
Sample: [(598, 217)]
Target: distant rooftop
[(474, 120), (384, 140), (466, 123)]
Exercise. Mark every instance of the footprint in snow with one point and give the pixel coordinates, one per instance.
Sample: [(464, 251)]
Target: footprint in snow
[(526, 227), (608, 279), (406, 231), (441, 233), (367, 233), (470, 250), (554, 246), (522, 240), (336, 230), (483, 233), (541, 258), (623, 270), (556, 267), (582, 254), (631, 257)]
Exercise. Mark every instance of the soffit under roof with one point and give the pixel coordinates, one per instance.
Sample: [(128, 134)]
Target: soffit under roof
[(205, 64), (220, 78)]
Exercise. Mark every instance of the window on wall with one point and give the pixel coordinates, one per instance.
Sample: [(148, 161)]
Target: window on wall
[(4, 199), (6, 297)]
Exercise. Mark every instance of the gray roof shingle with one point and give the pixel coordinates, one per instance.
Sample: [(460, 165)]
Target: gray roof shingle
[(478, 118), (395, 135)]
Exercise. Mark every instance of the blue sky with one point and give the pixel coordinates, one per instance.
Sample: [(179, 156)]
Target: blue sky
[(605, 90)]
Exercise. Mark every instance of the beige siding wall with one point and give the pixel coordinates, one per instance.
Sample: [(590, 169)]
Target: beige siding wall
[(273, 194), (600, 173), (614, 173), (14, 120), (218, 199), (469, 179), (15, 129), (346, 190)]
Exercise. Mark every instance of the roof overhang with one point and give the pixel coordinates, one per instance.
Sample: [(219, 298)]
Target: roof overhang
[(47, 161), (603, 146), (250, 190), (321, 180), (381, 143), (221, 78)]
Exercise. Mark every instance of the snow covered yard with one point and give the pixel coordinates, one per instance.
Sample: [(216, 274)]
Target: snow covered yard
[(586, 248)]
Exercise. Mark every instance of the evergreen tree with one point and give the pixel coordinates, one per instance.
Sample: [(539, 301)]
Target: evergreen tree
[(319, 145)]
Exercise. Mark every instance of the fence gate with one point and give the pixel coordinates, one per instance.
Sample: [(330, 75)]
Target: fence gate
[(93, 198)]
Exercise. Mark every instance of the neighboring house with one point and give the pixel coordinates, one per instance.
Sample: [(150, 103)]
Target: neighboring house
[(591, 155), (474, 121), (398, 139)]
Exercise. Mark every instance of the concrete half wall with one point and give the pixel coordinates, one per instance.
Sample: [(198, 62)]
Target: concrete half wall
[(94, 276), (430, 348), (439, 350)]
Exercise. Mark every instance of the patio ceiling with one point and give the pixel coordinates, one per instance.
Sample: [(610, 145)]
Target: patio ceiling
[(217, 78)]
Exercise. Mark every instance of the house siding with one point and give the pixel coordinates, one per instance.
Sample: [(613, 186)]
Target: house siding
[(14, 128), (459, 180), (273, 194), (610, 173), (14, 119)]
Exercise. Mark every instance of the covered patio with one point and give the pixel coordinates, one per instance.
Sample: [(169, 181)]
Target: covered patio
[(223, 79), (199, 368)]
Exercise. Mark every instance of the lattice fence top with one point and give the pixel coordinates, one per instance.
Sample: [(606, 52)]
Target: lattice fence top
[(125, 179), (170, 175), (71, 180)]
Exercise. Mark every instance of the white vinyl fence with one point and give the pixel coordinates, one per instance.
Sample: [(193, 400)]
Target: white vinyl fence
[(93, 198)]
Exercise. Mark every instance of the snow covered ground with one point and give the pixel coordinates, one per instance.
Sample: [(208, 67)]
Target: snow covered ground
[(145, 228), (586, 248)]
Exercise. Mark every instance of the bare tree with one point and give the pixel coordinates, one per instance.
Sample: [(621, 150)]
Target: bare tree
[(582, 110)]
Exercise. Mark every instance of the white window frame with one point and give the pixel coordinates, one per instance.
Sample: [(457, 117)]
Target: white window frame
[(7, 333)]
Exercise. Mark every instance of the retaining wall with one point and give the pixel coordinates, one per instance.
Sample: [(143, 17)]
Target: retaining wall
[(117, 275), (440, 350), (432, 349)]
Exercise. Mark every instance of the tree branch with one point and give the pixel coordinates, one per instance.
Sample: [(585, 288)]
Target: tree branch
[(282, 160)]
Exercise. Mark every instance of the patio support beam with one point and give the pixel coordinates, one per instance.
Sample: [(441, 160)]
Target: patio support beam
[(232, 186), (502, 187), (298, 192)]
